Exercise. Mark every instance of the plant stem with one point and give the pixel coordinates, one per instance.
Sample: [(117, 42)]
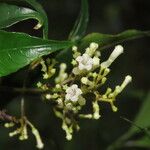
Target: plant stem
[(22, 107), (25, 90), (23, 94)]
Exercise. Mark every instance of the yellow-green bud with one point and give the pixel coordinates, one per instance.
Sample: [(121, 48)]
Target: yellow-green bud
[(45, 76), (9, 125), (106, 71), (73, 62), (69, 106), (39, 84), (114, 108), (48, 96), (94, 75), (84, 80), (82, 101), (53, 71), (74, 48), (103, 80)]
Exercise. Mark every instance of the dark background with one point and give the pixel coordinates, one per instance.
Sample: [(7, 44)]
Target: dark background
[(106, 16)]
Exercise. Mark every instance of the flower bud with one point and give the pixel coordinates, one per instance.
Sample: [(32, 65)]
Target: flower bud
[(69, 106), (84, 80), (63, 66), (48, 96), (127, 80), (45, 76), (114, 108), (96, 114), (82, 101), (91, 49), (8, 125), (74, 48), (39, 143), (103, 80), (108, 91), (39, 84), (106, 71), (53, 71), (94, 75), (93, 46), (117, 51), (73, 62)]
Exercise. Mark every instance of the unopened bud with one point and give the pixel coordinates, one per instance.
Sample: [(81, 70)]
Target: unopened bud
[(48, 96), (127, 80), (84, 80), (93, 46), (117, 51), (63, 66), (74, 48)]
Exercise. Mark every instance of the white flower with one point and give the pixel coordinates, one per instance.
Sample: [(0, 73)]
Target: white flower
[(117, 51), (73, 93), (85, 62)]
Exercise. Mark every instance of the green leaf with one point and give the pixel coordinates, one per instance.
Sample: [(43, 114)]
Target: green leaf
[(11, 14), (141, 123), (144, 142), (37, 6), (81, 23), (18, 50), (106, 40), (142, 119)]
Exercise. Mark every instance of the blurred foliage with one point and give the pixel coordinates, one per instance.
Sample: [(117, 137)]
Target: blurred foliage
[(112, 16)]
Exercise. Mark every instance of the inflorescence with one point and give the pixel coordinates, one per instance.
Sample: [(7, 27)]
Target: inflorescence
[(23, 125), (70, 92)]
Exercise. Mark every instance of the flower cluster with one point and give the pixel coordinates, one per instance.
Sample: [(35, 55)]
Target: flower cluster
[(70, 91), (22, 131)]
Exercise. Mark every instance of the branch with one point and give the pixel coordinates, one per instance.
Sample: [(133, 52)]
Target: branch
[(23, 90), (6, 117)]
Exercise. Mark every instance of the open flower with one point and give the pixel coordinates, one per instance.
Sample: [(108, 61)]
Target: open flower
[(85, 62), (73, 93)]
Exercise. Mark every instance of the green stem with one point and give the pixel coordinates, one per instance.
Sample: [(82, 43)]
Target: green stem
[(22, 107), (21, 90), (23, 93)]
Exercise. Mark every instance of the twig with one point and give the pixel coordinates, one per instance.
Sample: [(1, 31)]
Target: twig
[(21, 90), (6, 117)]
